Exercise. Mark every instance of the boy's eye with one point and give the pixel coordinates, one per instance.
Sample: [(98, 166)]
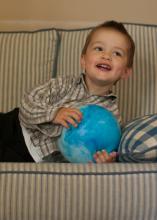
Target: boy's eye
[(117, 53), (98, 49)]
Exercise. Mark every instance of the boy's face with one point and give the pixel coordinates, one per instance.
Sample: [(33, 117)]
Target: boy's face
[(106, 58)]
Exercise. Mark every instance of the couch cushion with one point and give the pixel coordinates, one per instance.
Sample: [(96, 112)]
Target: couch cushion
[(137, 95), (70, 47), (59, 191), (26, 60), (139, 140)]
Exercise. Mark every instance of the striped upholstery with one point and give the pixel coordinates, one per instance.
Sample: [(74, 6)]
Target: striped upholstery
[(26, 59), (71, 45), (121, 191), (137, 95), (78, 192), (139, 140)]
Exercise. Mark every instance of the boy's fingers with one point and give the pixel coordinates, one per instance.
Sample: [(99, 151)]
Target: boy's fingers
[(100, 157), (104, 157), (73, 114), (71, 121), (76, 114), (77, 111), (64, 124), (66, 116), (113, 155)]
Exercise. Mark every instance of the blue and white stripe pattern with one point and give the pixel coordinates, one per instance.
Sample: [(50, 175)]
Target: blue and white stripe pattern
[(139, 140)]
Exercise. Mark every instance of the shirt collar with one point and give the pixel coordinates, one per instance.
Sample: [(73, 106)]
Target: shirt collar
[(80, 80)]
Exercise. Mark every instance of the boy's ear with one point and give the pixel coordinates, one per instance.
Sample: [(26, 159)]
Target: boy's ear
[(127, 73), (82, 62)]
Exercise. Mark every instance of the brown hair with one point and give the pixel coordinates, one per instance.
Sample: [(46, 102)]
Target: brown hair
[(118, 26)]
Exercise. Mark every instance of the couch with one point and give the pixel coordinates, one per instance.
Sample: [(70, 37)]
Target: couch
[(124, 190)]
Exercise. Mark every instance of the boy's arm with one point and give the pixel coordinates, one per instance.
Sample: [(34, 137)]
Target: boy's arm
[(38, 108)]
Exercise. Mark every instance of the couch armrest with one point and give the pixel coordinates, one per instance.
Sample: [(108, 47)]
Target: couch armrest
[(75, 191)]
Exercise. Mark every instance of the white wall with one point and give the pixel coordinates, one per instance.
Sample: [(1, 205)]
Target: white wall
[(17, 14)]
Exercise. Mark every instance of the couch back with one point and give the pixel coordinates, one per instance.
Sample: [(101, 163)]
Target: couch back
[(31, 58)]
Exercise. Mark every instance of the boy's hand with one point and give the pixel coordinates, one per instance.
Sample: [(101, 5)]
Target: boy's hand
[(104, 157), (66, 116)]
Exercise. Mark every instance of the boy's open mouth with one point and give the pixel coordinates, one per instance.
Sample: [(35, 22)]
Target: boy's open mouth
[(104, 67)]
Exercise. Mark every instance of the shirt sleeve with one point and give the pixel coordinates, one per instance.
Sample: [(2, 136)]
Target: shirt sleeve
[(39, 107)]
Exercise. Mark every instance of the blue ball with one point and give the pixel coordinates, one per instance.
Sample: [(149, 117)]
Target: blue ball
[(98, 130)]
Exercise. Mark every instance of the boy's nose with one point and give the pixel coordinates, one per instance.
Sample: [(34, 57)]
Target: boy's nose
[(106, 55)]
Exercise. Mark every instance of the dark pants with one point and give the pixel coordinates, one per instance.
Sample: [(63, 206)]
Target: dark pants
[(12, 144)]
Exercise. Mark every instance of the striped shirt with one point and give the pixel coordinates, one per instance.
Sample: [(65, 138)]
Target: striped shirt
[(38, 108)]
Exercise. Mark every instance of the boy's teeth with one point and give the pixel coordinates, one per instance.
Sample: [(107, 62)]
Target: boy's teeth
[(104, 66)]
